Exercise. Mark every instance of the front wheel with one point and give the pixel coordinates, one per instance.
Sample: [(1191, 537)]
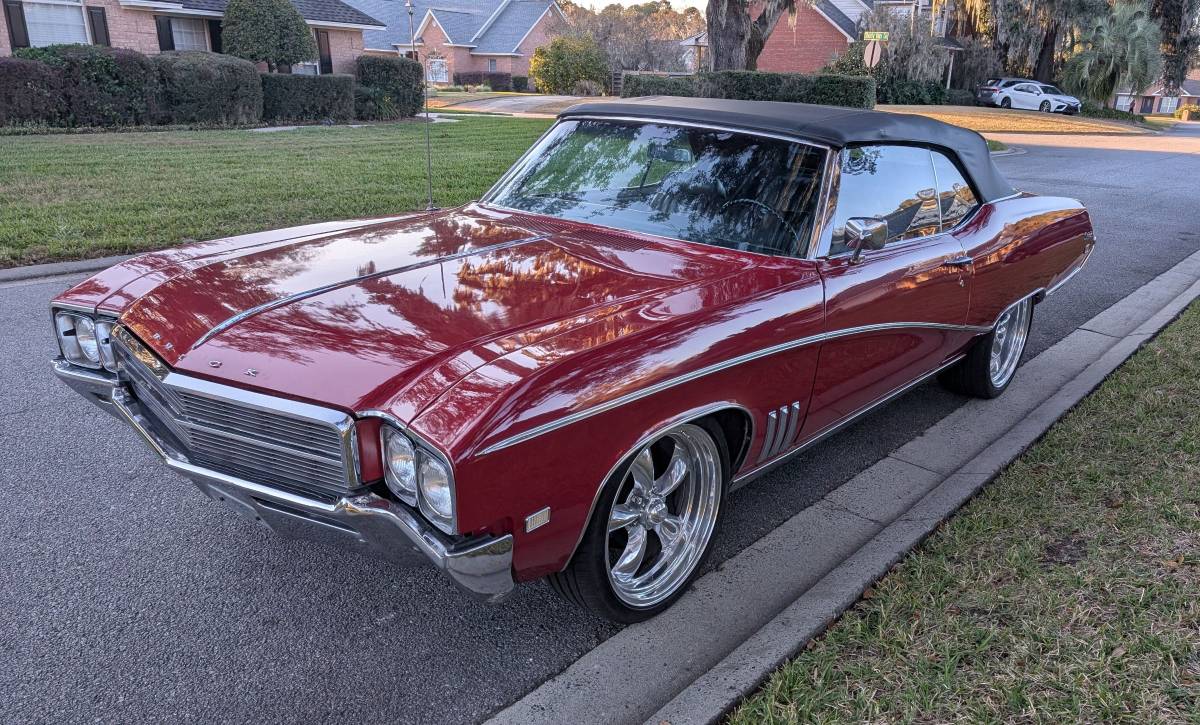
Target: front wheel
[(992, 361), (652, 527), (1045, 107)]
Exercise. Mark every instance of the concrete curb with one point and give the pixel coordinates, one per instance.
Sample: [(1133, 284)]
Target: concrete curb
[(721, 640), (56, 269)]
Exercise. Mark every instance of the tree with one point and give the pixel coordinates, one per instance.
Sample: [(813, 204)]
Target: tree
[(267, 31), (1121, 48), (735, 39), (1180, 23), (637, 37), (557, 67)]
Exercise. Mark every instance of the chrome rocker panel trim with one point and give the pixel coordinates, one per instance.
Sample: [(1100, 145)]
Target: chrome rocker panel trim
[(361, 522)]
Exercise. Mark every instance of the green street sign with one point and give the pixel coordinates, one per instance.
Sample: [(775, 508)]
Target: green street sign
[(880, 35)]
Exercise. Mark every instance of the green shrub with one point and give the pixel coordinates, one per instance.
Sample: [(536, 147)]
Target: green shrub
[(824, 89), (267, 31), (307, 98), (388, 87), (566, 60), (520, 84), (908, 92), (1188, 113), (959, 97), (31, 93), (207, 88), (101, 86), (1092, 110), (494, 81)]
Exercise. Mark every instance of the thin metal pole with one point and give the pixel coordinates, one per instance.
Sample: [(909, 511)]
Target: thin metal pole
[(412, 41)]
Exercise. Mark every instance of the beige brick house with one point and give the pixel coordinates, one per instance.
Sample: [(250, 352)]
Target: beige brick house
[(456, 36), (151, 26)]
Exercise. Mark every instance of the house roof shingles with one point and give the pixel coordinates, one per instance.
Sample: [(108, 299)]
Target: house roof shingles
[(328, 11), (465, 22)]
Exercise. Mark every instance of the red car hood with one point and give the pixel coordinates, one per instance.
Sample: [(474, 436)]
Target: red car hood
[(352, 318)]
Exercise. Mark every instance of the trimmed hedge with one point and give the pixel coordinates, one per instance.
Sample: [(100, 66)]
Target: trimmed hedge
[(307, 98), (101, 86), (906, 92), (495, 81), (388, 87), (30, 93), (201, 87), (824, 89), (520, 84), (1091, 110), (960, 97)]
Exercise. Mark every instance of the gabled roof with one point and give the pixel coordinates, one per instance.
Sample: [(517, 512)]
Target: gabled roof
[(485, 26), (1189, 87), (314, 11), (843, 23)]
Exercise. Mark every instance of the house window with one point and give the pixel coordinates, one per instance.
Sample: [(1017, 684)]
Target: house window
[(439, 71), (49, 23), (491, 65), (1124, 103), (189, 33), (1168, 104)]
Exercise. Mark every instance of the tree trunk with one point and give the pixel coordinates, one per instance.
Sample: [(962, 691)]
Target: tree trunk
[(1044, 70), (735, 40)]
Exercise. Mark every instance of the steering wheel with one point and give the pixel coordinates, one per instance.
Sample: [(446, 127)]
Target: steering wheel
[(759, 204)]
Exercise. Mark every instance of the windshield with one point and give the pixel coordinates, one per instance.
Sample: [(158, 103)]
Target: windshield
[(1051, 90), (722, 188)]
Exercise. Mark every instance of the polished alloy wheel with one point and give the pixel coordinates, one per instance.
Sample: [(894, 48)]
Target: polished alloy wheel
[(663, 516), (1008, 342)]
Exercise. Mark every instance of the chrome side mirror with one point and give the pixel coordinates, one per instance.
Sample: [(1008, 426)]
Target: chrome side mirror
[(865, 233)]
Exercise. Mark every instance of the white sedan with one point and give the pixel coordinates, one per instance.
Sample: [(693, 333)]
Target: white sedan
[(1037, 97)]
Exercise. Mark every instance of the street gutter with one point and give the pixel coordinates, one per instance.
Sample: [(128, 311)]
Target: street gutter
[(742, 621)]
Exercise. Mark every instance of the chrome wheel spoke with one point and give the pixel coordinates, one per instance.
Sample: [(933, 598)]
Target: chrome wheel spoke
[(643, 472), (631, 559), (1008, 342), (623, 515), (669, 531), (676, 471)]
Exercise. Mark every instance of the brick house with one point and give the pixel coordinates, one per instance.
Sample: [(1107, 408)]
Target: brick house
[(457, 36), (1154, 100), (807, 41), (151, 26)]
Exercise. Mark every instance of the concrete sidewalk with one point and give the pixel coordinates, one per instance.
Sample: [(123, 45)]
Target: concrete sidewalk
[(743, 620)]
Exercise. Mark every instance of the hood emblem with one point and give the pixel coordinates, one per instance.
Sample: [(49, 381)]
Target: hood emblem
[(214, 363), (251, 372)]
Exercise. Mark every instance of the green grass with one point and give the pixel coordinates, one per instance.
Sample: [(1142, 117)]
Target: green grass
[(78, 196), (1068, 591), (994, 145)]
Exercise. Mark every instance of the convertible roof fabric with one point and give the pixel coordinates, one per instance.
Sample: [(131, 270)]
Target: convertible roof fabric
[(831, 125)]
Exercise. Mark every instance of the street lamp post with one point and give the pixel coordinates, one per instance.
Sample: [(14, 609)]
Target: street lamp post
[(412, 42)]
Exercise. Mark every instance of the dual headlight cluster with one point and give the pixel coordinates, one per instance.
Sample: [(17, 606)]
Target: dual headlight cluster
[(85, 341), (418, 477)]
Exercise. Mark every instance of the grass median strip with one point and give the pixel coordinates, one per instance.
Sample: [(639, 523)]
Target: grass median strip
[(1066, 592), (79, 196)]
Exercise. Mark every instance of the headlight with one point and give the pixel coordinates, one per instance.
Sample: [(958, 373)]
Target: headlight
[(418, 476), (401, 465), (437, 496), (84, 341)]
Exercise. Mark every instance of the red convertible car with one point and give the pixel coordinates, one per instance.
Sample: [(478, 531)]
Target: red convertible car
[(661, 300)]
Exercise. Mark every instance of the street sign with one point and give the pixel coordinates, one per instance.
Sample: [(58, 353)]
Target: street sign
[(880, 35), (872, 54)]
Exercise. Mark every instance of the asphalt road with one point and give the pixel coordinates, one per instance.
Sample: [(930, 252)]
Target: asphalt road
[(125, 595)]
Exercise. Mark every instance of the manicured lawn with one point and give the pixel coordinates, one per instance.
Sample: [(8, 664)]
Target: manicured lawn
[(76, 196), (1068, 591), (1007, 120)]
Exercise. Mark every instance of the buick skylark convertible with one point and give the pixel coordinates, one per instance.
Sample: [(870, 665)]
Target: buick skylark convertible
[(661, 300)]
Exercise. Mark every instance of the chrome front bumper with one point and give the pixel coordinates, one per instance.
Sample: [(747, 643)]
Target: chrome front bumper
[(363, 522)]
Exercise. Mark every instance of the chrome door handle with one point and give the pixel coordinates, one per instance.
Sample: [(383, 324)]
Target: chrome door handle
[(958, 262)]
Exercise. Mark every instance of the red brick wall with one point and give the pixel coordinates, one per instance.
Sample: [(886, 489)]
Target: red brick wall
[(345, 46), (804, 46), (539, 36)]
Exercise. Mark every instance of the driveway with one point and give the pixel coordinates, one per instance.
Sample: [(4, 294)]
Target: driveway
[(125, 595), (534, 105)]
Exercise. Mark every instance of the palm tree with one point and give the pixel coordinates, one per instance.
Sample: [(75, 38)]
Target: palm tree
[(1122, 48)]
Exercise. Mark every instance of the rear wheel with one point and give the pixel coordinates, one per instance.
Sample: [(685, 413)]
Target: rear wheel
[(652, 528), (1045, 107), (992, 361), (1006, 102)]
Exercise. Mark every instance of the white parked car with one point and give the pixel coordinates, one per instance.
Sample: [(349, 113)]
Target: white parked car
[(1037, 97)]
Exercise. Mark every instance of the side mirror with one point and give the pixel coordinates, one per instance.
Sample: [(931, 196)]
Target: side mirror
[(865, 233)]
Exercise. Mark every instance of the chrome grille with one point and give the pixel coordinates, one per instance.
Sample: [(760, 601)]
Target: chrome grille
[(267, 440)]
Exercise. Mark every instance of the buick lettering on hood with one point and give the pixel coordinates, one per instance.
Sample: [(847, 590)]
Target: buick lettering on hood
[(661, 300)]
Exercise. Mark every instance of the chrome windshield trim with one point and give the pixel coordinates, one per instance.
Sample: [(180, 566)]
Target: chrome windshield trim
[(714, 368), (283, 301)]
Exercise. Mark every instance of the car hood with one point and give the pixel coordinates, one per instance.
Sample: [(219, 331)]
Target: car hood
[(354, 317), (1062, 98)]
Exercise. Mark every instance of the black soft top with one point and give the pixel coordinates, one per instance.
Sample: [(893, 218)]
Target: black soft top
[(831, 125)]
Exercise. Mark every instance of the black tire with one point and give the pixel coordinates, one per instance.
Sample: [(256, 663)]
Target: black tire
[(1005, 103), (1045, 107), (971, 375), (585, 581)]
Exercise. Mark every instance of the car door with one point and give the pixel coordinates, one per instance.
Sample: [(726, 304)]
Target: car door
[(895, 314), (1025, 95)]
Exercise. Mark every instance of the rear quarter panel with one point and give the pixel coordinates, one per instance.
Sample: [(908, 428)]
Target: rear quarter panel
[(1022, 245)]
